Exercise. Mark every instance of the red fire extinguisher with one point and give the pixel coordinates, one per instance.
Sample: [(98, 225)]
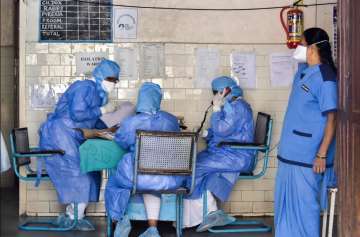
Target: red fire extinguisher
[(294, 26)]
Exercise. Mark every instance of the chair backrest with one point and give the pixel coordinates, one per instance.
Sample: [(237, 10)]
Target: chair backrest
[(261, 128), (20, 144), (168, 153)]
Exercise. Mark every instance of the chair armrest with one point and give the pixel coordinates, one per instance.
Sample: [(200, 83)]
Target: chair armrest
[(39, 153), (240, 145)]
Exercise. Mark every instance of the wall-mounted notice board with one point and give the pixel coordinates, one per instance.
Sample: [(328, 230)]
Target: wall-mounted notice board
[(76, 20)]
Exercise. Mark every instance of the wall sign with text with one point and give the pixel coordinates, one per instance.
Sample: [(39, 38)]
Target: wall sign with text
[(73, 20)]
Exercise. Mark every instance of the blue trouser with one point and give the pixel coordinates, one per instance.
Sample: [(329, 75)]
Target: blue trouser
[(297, 205)]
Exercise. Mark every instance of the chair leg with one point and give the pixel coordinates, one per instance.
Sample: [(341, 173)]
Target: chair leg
[(179, 214), (324, 225), (49, 224), (333, 192), (109, 228)]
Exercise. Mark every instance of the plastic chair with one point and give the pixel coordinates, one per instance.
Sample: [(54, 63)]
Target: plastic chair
[(262, 141), (165, 153), (21, 154)]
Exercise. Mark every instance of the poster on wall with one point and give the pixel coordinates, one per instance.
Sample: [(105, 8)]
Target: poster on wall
[(126, 58), (243, 69), (207, 66), (45, 96), (152, 61), (86, 62), (282, 69), (125, 23)]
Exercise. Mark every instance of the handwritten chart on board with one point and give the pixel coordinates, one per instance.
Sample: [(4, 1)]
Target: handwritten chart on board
[(74, 20)]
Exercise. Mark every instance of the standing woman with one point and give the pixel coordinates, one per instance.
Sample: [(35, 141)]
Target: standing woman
[(307, 145)]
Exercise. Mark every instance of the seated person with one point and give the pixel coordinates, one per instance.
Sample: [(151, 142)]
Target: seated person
[(79, 107), (117, 193), (218, 168)]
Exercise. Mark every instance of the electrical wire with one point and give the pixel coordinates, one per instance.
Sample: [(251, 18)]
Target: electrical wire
[(207, 9)]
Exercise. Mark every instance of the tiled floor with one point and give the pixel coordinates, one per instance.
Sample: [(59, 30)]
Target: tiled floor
[(10, 220)]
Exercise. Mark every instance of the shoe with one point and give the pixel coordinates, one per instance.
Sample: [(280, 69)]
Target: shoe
[(123, 227), (151, 232), (215, 218)]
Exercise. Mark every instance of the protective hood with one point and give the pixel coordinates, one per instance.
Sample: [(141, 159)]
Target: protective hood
[(220, 83), (106, 68), (149, 98)]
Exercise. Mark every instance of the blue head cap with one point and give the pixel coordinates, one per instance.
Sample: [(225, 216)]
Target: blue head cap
[(106, 68), (220, 83), (149, 98)]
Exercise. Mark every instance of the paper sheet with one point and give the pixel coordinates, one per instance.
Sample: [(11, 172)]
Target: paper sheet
[(123, 111), (126, 58), (125, 23), (207, 66), (282, 69), (86, 62), (43, 96), (243, 69), (152, 61)]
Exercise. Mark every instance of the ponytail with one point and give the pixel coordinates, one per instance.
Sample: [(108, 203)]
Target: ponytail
[(320, 38)]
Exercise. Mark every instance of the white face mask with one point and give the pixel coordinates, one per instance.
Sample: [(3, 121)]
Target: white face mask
[(108, 86), (300, 54)]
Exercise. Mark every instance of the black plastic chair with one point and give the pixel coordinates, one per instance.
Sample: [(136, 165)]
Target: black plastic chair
[(21, 154), (262, 141)]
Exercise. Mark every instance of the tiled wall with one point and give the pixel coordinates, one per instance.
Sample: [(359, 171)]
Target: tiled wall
[(55, 63)]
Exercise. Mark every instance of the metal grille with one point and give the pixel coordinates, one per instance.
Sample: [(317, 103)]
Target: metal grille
[(163, 153)]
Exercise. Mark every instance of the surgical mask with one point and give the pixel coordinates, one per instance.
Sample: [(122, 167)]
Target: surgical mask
[(108, 86), (300, 53)]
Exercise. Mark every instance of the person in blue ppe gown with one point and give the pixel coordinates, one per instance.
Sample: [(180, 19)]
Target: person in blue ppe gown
[(218, 168), (307, 144), (117, 193), (79, 107)]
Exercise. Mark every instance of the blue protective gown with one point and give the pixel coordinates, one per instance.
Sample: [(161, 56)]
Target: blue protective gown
[(299, 190), (218, 168), (78, 107), (118, 188)]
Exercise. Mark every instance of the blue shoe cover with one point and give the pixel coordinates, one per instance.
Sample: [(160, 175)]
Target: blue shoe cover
[(151, 232), (123, 227), (215, 218), (84, 225), (60, 219), (63, 221)]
